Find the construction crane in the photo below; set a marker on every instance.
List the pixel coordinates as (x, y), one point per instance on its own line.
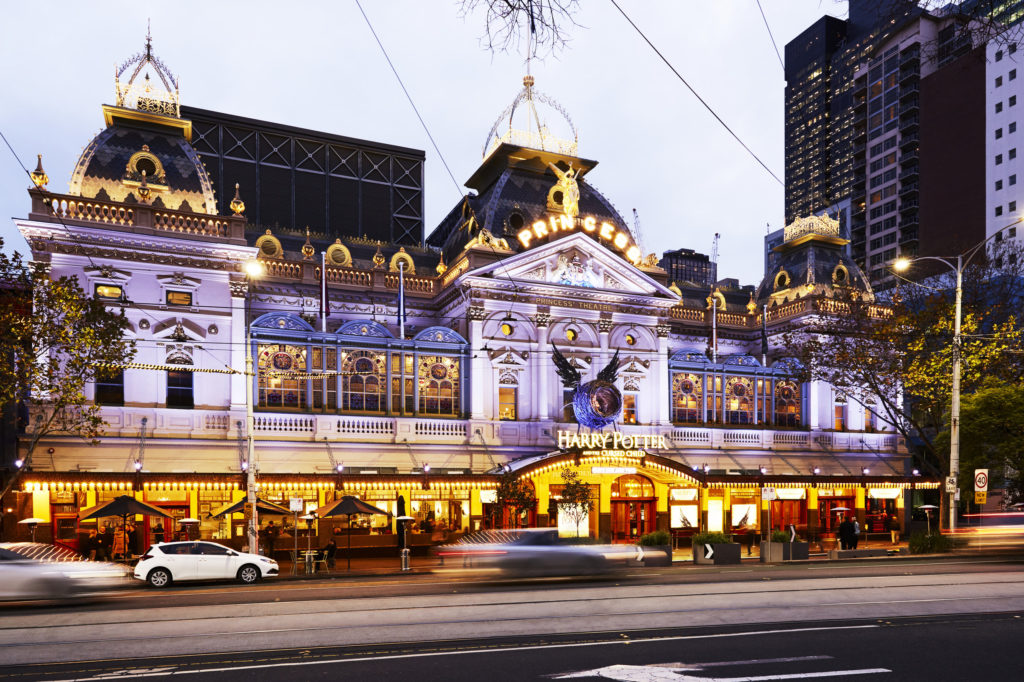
(714, 260)
(638, 235)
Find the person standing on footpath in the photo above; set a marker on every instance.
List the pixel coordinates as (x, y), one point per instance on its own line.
(846, 534)
(893, 524)
(856, 533)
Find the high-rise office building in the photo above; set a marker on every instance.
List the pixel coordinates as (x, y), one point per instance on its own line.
(686, 265)
(918, 152)
(820, 65)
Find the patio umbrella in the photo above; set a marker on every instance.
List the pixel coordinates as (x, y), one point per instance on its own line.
(123, 506)
(32, 522)
(262, 506)
(841, 509)
(347, 506)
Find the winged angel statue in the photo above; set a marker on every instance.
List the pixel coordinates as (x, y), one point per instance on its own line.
(596, 403)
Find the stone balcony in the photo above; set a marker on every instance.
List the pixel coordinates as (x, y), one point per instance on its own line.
(224, 424)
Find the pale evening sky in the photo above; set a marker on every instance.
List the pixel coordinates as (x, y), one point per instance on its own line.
(316, 65)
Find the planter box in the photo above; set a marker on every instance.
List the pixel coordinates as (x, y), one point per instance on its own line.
(796, 551)
(785, 551)
(725, 553)
(657, 555)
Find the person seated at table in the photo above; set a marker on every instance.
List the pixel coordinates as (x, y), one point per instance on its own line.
(328, 552)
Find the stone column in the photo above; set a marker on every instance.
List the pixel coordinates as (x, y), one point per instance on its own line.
(239, 290)
(604, 328)
(479, 363)
(543, 367)
(660, 370)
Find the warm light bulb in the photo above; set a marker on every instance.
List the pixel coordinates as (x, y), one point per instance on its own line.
(901, 264)
(254, 268)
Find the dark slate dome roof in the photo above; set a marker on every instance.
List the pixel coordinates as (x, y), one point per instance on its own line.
(110, 167)
(513, 185)
(812, 262)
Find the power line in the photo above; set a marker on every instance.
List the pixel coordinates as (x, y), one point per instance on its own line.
(701, 99)
(769, 28)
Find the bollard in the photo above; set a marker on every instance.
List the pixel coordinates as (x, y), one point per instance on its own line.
(405, 559)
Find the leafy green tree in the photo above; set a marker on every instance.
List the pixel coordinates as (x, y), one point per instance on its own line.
(896, 358)
(56, 339)
(992, 437)
(516, 495)
(576, 498)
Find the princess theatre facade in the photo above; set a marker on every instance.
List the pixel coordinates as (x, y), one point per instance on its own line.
(704, 411)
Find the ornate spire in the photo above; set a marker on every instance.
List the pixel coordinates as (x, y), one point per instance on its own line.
(307, 249)
(39, 176)
(237, 205)
(441, 267)
(144, 95)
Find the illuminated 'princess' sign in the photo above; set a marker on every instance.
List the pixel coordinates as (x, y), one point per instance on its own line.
(605, 231)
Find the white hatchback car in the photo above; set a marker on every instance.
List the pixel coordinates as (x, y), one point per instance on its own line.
(169, 562)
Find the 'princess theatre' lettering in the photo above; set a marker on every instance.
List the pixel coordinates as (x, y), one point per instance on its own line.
(563, 223)
(609, 441)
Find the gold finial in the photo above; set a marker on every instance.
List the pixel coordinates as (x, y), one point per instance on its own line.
(528, 81)
(237, 205)
(751, 304)
(307, 249)
(378, 259)
(39, 176)
(441, 267)
(144, 190)
(675, 290)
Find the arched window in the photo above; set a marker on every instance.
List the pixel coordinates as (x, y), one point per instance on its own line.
(739, 400)
(439, 386)
(632, 485)
(787, 403)
(363, 381)
(687, 399)
(278, 386)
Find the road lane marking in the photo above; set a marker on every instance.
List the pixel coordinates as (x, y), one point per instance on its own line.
(434, 654)
(656, 673)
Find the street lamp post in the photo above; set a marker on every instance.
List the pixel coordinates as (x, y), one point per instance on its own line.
(253, 270)
(901, 264)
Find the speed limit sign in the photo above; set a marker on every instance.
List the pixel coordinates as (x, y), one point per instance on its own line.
(980, 480)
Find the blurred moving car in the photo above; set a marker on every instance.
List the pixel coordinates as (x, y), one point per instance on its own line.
(536, 551)
(33, 570)
(993, 530)
(168, 562)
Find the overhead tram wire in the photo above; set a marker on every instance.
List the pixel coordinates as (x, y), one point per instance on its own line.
(699, 98)
(77, 241)
(769, 29)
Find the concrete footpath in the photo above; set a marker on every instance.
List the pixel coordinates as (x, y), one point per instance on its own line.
(370, 566)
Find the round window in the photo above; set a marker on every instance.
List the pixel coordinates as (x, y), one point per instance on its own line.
(781, 280)
(557, 197)
(630, 340)
(269, 248)
(507, 329)
(571, 334)
(147, 166)
(516, 220)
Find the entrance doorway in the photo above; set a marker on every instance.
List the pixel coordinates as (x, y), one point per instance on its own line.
(632, 507)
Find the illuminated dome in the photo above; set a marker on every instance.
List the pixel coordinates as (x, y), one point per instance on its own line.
(523, 125)
(145, 153)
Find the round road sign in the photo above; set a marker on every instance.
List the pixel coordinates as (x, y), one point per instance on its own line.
(981, 480)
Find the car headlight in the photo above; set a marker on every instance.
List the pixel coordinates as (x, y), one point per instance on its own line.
(267, 561)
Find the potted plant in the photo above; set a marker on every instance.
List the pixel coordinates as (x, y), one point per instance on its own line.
(715, 548)
(657, 548)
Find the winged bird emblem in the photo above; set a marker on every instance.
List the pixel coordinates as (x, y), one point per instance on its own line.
(595, 403)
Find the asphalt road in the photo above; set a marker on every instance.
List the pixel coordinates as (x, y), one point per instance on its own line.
(922, 619)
